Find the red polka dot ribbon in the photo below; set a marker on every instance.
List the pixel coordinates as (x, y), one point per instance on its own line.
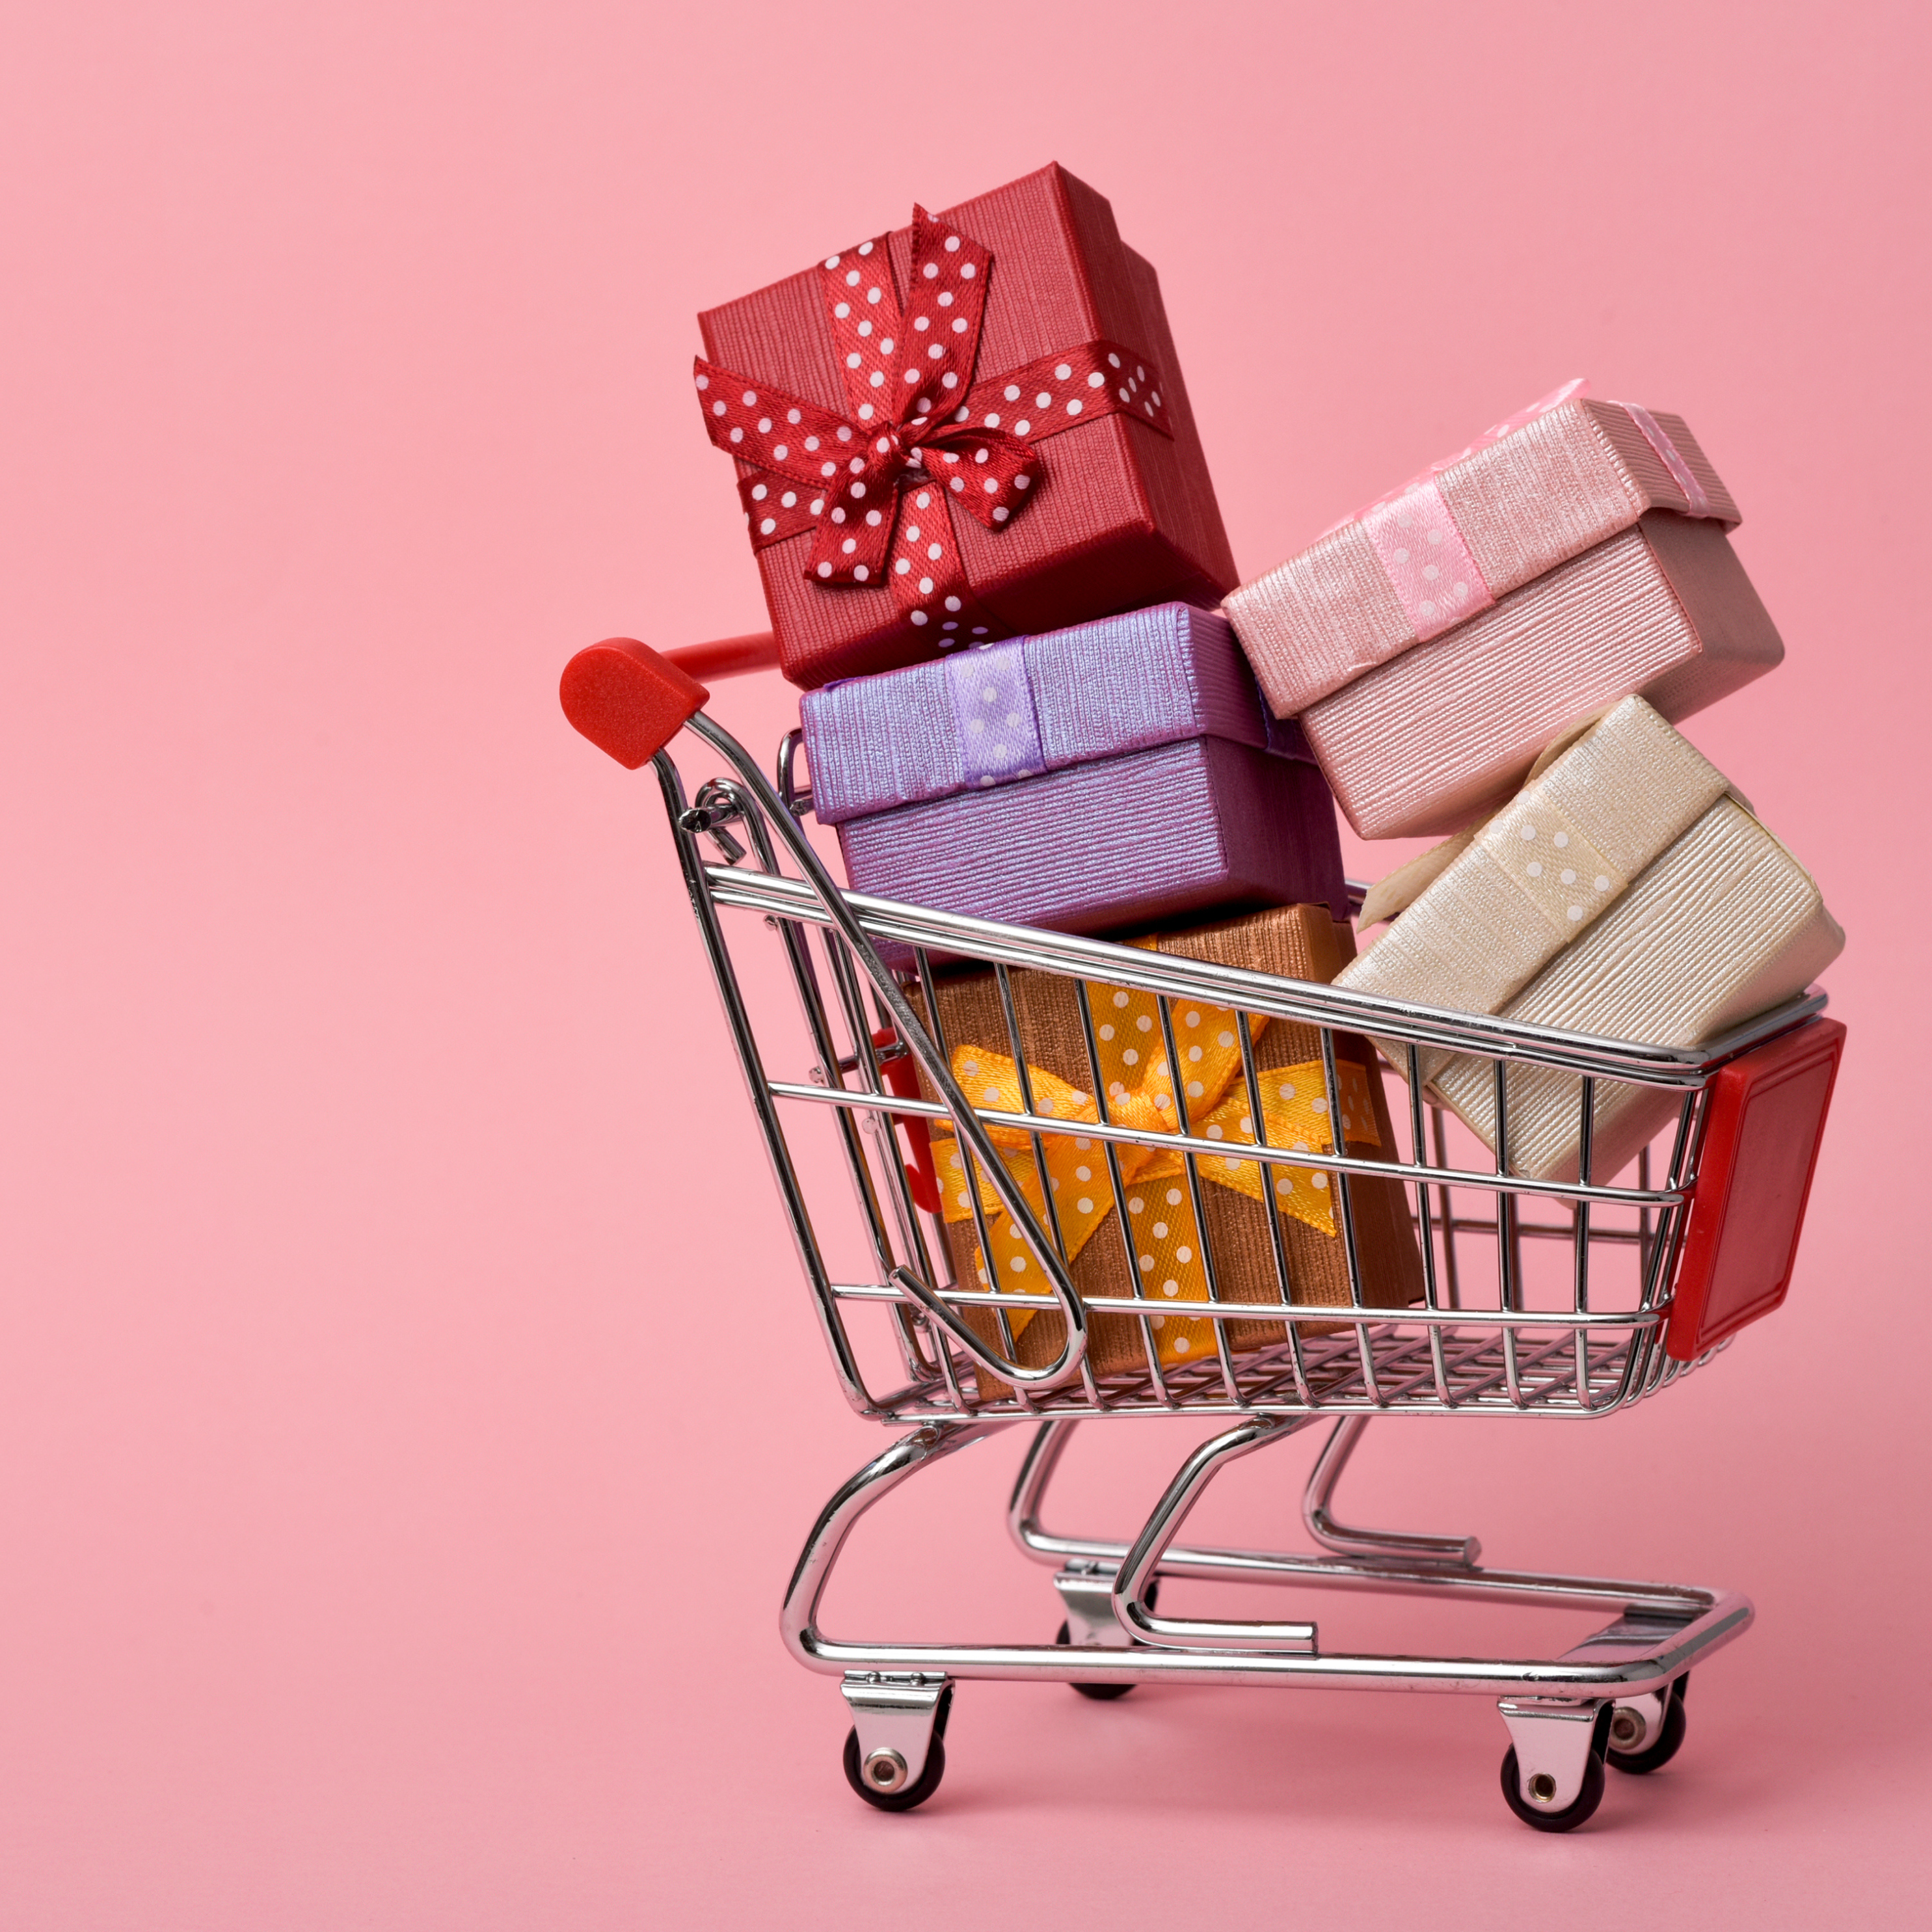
(921, 438)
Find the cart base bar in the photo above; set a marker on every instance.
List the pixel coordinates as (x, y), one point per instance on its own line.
(1660, 1631)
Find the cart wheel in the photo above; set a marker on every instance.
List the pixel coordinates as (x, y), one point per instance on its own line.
(1670, 1738)
(922, 1787)
(1106, 1694)
(1572, 1815)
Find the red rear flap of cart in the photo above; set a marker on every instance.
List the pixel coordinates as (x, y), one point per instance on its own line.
(1766, 1120)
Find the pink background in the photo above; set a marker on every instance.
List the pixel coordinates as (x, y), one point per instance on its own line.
(365, 1563)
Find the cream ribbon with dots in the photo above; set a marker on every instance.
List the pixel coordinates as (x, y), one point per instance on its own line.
(1549, 857)
(1478, 919)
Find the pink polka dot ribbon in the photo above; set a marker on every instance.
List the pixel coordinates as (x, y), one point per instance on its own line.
(1430, 565)
(921, 438)
(1430, 568)
(1671, 457)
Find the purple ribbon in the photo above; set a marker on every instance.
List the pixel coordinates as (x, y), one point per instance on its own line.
(992, 704)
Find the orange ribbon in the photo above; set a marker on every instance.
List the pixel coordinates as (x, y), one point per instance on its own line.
(1297, 1114)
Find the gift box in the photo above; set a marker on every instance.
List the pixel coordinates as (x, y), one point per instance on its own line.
(1108, 776)
(1434, 642)
(1627, 892)
(971, 427)
(1159, 1255)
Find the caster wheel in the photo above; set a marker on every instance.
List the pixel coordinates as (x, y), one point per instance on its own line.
(1670, 1738)
(1106, 1694)
(1103, 1693)
(905, 1797)
(1573, 1814)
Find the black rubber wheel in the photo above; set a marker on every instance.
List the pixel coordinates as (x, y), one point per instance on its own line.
(922, 1787)
(1585, 1804)
(1106, 1694)
(1669, 1738)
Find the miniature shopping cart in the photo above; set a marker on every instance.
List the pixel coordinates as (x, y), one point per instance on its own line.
(1541, 1298)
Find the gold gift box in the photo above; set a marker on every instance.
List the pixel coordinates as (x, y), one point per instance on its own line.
(1296, 942)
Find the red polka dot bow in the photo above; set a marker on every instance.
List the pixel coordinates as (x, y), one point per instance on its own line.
(921, 438)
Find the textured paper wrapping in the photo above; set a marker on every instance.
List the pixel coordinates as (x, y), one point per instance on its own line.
(1535, 878)
(1113, 845)
(1012, 710)
(1296, 942)
(1622, 894)
(1566, 480)
(1120, 516)
(1443, 734)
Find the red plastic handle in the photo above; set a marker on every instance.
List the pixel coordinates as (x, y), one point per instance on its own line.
(631, 701)
(728, 657)
(628, 699)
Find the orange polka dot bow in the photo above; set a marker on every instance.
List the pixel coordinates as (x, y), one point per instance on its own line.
(1297, 1114)
(921, 438)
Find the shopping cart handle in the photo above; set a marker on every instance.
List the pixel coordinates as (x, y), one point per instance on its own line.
(728, 657)
(628, 699)
(631, 701)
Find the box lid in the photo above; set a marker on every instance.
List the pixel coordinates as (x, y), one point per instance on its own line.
(1540, 488)
(1723, 925)
(1012, 710)
(1445, 734)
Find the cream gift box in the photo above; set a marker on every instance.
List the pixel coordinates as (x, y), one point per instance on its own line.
(1626, 891)
(1433, 643)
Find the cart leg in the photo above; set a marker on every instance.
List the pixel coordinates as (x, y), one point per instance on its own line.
(798, 1620)
(1133, 1584)
(895, 1752)
(1553, 1770)
(1043, 1458)
(1331, 1535)
(1086, 1595)
(1085, 1582)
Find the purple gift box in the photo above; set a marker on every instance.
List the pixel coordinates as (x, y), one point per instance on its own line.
(1112, 776)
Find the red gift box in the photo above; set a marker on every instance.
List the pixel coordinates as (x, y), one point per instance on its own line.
(971, 428)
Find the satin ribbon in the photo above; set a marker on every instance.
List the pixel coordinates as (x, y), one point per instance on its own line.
(1429, 564)
(1671, 457)
(921, 438)
(1296, 1113)
(1431, 568)
(993, 709)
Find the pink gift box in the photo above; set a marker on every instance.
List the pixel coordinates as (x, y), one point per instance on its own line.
(1433, 643)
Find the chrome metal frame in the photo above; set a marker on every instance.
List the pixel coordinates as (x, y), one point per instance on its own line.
(1497, 1332)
